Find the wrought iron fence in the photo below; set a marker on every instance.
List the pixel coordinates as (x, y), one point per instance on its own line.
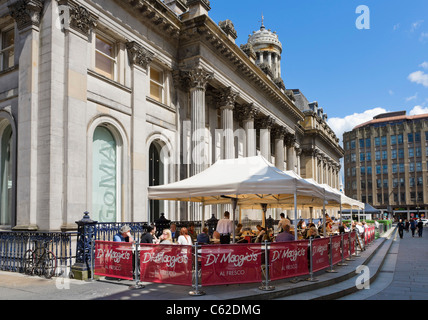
(14, 244)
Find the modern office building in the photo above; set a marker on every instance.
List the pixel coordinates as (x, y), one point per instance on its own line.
(386, 163)
(100, 99)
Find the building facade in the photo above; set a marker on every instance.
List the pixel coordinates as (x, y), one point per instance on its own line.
(101, 99)
(386, 163)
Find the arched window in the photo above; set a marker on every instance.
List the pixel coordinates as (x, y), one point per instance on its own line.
(156, 178)
(6, 164)
(106, 183)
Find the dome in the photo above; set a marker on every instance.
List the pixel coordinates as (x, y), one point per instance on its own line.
(265, 40)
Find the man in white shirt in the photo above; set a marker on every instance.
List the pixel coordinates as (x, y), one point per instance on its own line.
(283, 222)
(225, 228)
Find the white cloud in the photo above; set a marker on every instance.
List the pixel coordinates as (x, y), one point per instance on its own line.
(342, 125)
(391, 93)
(419, 77)
(396, 27)
(424, 65)
(424, 37)
(418, 110)
(412, 97)
(416, 25)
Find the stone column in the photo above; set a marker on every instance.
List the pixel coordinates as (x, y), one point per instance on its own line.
(290, 141)
(246, 114)
(139, 59)
(227, 104)
(78, 23)
(279, 134)
(198, 81)
(265, 125)
(27, 15)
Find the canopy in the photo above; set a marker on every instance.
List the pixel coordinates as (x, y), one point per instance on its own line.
(345, 201)
(367, 209)
(251, 180)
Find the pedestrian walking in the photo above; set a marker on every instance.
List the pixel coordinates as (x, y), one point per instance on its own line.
(400, 228)
(413, 227)
(407, 225)
(420, 227)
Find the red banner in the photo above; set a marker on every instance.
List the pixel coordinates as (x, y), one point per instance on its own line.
(170, 264)
(346, 245)
(288, 259)
(320, 258)
(353, 238)
(228, 264)
(114, 259)
(336, 243)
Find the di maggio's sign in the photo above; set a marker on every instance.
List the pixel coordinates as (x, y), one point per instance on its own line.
(227, 264)
(114, 259)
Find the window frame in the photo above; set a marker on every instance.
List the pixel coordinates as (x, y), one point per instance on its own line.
(160, 85)
(3, 31)
(114, 58)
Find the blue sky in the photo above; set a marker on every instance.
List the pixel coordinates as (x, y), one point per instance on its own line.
(353, 74)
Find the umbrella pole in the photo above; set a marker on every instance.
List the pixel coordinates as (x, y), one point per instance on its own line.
(295, 216)
(234, 203)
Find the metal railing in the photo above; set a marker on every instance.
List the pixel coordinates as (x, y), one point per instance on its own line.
(14, 244)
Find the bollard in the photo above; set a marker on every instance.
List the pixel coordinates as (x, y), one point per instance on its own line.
(196, 292)
(266, 286)
(138, 284)
(331, 258)
(342, 263)
(349, 248)
(311, 272)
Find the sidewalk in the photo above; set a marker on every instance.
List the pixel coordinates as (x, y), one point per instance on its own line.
(15, 286)
(409, 270)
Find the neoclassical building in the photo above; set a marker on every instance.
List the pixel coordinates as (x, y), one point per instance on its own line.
(100, 99)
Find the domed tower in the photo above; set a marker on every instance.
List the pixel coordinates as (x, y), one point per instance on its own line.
(268, 50)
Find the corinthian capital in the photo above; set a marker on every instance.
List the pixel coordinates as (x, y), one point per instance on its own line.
(247, 112)
(228, 98)
(199, 78)
(139, 55)
(76, 17)
(26, 13)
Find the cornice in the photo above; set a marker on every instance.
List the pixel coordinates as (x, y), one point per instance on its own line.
(157, 14)
(202, 28)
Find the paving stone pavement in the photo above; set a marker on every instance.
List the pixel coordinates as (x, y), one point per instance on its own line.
(404, 275)
(410, 275)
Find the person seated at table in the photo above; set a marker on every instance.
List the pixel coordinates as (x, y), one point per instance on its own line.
(262, 234)
(124, 235)
(306, 230)
(203, 238)
(184, 238)
(238, 230)
(149, 236)
(343, 228)
(313, 233)
(301, 224)
(174, 232)
(285, 235)
(192, 231)
(166, 237)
